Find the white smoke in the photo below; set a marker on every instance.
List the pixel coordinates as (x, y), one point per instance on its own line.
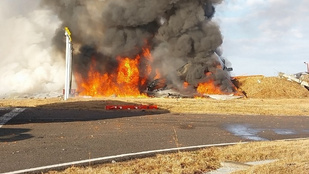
(27, 63)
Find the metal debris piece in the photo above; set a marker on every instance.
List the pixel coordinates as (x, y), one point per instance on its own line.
(298, 78)
(224, 97)
(172, 93)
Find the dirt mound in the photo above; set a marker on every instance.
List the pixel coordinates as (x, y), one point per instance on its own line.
(270, 87)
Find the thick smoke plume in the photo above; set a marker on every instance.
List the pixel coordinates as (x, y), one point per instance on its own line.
(182, 38)
(27, 65)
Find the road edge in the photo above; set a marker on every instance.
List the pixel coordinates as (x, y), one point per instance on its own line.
(128, 156)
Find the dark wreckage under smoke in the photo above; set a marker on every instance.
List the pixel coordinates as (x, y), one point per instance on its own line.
(183, 40)
(161, 88)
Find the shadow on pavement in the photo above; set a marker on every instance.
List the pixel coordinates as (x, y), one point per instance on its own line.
(79, 111)
(14, 134)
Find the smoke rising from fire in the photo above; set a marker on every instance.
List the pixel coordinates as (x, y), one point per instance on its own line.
(182, 38)
(27, 63)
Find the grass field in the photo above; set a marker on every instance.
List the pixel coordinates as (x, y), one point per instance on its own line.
(252, 106)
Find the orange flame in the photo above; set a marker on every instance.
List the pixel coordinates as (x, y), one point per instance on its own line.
(209, 88)
(126, 82)
(185, 85)
(129, 79)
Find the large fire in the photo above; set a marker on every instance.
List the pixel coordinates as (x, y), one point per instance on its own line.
(210, 86)
(126, 82)
(130, 79)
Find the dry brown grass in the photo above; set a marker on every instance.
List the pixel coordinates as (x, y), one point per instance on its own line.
(290, 107)
(293, 157)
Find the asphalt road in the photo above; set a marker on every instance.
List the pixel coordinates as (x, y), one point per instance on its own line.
(40, 137)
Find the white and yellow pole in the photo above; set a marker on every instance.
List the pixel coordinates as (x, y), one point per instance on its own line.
(68, 66)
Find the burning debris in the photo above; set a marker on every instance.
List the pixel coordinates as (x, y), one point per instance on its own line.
(144, 47)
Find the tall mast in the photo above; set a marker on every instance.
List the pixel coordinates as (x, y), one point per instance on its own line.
(68, 66)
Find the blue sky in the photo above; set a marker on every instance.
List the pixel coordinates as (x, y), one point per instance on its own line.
(265, 36)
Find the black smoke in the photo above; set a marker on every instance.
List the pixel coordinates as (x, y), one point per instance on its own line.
(182, 38)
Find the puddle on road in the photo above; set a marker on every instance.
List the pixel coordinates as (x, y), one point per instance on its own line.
(247, 132)
(284, 131)
(306, 130)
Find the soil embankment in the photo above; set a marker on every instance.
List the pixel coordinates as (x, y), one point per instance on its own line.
(270, 87)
